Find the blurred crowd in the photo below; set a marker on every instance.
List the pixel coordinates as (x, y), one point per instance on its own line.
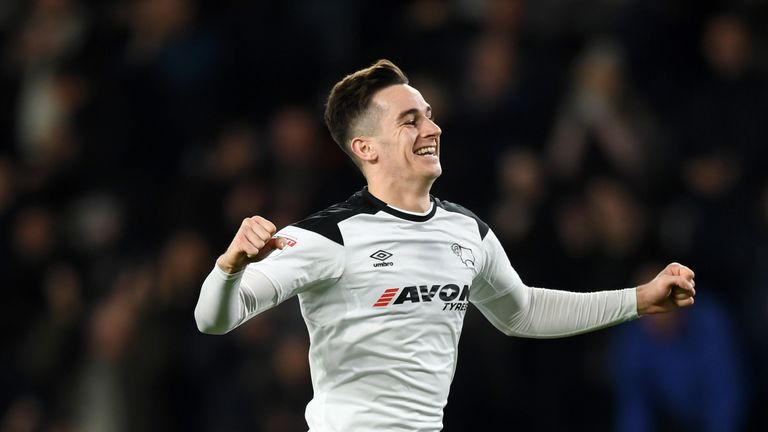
(600, 139)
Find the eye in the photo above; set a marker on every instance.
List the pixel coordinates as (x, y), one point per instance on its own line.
(411, 122)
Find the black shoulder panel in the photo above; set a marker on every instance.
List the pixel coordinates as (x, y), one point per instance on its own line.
(456, 208)
(326, 222)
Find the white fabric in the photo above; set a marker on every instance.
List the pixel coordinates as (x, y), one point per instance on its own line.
(228, 300)
(543, 313)
(389, 367)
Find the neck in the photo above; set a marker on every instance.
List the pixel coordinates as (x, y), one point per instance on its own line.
(405, 197)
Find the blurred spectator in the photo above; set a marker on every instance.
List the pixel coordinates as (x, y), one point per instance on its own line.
(23, 415)
(599, 232)
(295, 142)
(505, 17)
(519, 215)
(100, 393)
(521, 191)
(492, 74)
(727, 46)
(34, 237)
(680, 371)
(617, 218)
(705, 223)
(491, 109)
(602, 126)
(156, 24)
(95, 224)
(51, 348)
(433, 23)
(7, 185)
(237, 152)
(244, 199)
(726, 110)
(52, 32)
(32, 241)
(155, 370)
(575, 228)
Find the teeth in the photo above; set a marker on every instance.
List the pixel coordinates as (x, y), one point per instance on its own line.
(426, 150)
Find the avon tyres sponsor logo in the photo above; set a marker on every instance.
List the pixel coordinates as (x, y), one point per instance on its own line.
(454, 297)
(387, 297)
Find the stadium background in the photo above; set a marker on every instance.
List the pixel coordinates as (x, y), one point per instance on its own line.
(599, 139)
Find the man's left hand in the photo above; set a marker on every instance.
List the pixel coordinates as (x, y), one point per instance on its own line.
(673, 288)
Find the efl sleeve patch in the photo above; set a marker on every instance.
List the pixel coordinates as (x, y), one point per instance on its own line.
(307, 259)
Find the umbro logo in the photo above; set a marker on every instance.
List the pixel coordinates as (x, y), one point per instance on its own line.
(382, 256)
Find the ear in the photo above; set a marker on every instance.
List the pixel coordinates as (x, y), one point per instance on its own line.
(364, 148)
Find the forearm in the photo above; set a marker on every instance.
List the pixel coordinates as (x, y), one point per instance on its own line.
(228, 300)
(543, 313)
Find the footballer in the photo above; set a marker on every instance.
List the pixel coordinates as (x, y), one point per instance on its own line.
(384, 278)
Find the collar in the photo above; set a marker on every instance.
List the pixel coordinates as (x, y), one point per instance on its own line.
(381, 205)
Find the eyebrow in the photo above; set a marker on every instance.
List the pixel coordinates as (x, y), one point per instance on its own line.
(412, 111)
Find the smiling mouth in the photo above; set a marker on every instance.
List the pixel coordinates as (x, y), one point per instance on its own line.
(426, 151)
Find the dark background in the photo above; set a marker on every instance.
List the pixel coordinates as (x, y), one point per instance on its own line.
(600, 139)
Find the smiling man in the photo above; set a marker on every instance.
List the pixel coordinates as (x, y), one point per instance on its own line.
(384, 278)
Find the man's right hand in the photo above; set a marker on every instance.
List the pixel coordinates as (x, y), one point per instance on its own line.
(253, 242)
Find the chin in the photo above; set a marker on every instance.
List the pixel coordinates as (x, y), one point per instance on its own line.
(435, 173)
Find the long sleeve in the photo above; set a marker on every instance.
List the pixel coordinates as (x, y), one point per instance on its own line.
(519, 310)
(308, 261)
(228, 300)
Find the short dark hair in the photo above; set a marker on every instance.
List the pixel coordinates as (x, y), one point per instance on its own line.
(350, 99)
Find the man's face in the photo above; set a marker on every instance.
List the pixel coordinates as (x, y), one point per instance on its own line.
(408, 143)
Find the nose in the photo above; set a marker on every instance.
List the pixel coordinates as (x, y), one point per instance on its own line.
(430, 129)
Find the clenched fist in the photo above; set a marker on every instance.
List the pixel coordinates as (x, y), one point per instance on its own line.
(673, 288)
(253, 242)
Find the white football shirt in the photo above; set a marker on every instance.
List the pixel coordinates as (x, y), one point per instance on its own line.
(384, 292)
